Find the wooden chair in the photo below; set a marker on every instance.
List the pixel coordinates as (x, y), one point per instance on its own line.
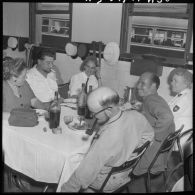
(189, 131)
(128, 165)
(16, 178)
(186, 158)
(63, 90)
(166, 146)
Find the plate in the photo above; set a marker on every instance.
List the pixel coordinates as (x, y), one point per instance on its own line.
(70, 100)
(75, 124)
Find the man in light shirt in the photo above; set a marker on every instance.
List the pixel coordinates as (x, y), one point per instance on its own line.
(42, 80)
(181, 104)
(119, 134)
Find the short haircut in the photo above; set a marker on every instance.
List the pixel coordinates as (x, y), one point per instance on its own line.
(181, 72)
(45, 52)
(110, 100)
(89, 58)
(13, 67)
(155, 79)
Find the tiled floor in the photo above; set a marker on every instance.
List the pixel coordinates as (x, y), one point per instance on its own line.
(38, 187)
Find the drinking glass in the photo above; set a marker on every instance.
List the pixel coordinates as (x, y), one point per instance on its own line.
(68, 119)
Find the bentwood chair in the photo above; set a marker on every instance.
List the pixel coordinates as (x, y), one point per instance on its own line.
(63, 90)
(127, 166)
(186, 159)
(185, 133)
(188, 162)
(16, 178)
(166, 147)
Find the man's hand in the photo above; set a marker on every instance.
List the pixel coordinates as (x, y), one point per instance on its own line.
(40, 105)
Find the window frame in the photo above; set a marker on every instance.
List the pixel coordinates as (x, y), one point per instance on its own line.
(128, 10)
(34, 11)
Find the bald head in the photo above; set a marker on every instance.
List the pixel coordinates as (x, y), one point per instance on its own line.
(102, 97)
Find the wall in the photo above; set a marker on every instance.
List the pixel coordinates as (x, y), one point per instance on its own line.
(96, 22)
(16, 19)
(116, 77)
(89, 26)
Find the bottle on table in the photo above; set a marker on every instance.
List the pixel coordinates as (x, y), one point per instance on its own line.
(82, 101)
(54, 112)
(88, 114)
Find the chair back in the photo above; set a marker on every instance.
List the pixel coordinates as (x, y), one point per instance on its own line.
(63, 90)
(132, 162)
(167, 145)
(188, 162)
(170, 140)
(190, 132)
(128, 164)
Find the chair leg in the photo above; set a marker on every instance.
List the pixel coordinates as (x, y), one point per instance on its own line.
(45, 188)
(148, 183)
(165, 176)
(9, 178)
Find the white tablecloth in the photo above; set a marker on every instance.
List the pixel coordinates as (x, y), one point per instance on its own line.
(44, 156)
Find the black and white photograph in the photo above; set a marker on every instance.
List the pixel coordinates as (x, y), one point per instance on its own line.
(97, 97)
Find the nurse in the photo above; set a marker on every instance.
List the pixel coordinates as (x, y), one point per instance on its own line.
(181, 104)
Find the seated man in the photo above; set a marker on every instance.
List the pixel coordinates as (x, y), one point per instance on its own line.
(159, 115)
(181, 105)
(119, 134)
(42, 80)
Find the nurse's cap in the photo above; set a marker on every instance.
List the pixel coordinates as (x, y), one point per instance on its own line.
(111, 53)
(12, 42)
(71, 49)
(99, 96)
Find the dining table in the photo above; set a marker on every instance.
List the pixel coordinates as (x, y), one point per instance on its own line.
(42, 155)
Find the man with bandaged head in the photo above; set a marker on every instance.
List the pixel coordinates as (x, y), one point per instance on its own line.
(119, 134)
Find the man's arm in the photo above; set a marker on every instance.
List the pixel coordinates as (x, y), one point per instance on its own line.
(94, 161)
(98, 76)
(163, 116)
(35, 103)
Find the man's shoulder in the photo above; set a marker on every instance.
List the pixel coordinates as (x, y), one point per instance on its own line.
(133, 115)
(156, 98)
(32, 71)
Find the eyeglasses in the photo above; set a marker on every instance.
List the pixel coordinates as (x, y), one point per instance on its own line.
(94, 114)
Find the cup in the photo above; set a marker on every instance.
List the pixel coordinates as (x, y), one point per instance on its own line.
(57, 130)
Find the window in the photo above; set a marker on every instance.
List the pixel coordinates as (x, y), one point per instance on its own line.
(163, 30)
(51, 24)
(164, 38)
